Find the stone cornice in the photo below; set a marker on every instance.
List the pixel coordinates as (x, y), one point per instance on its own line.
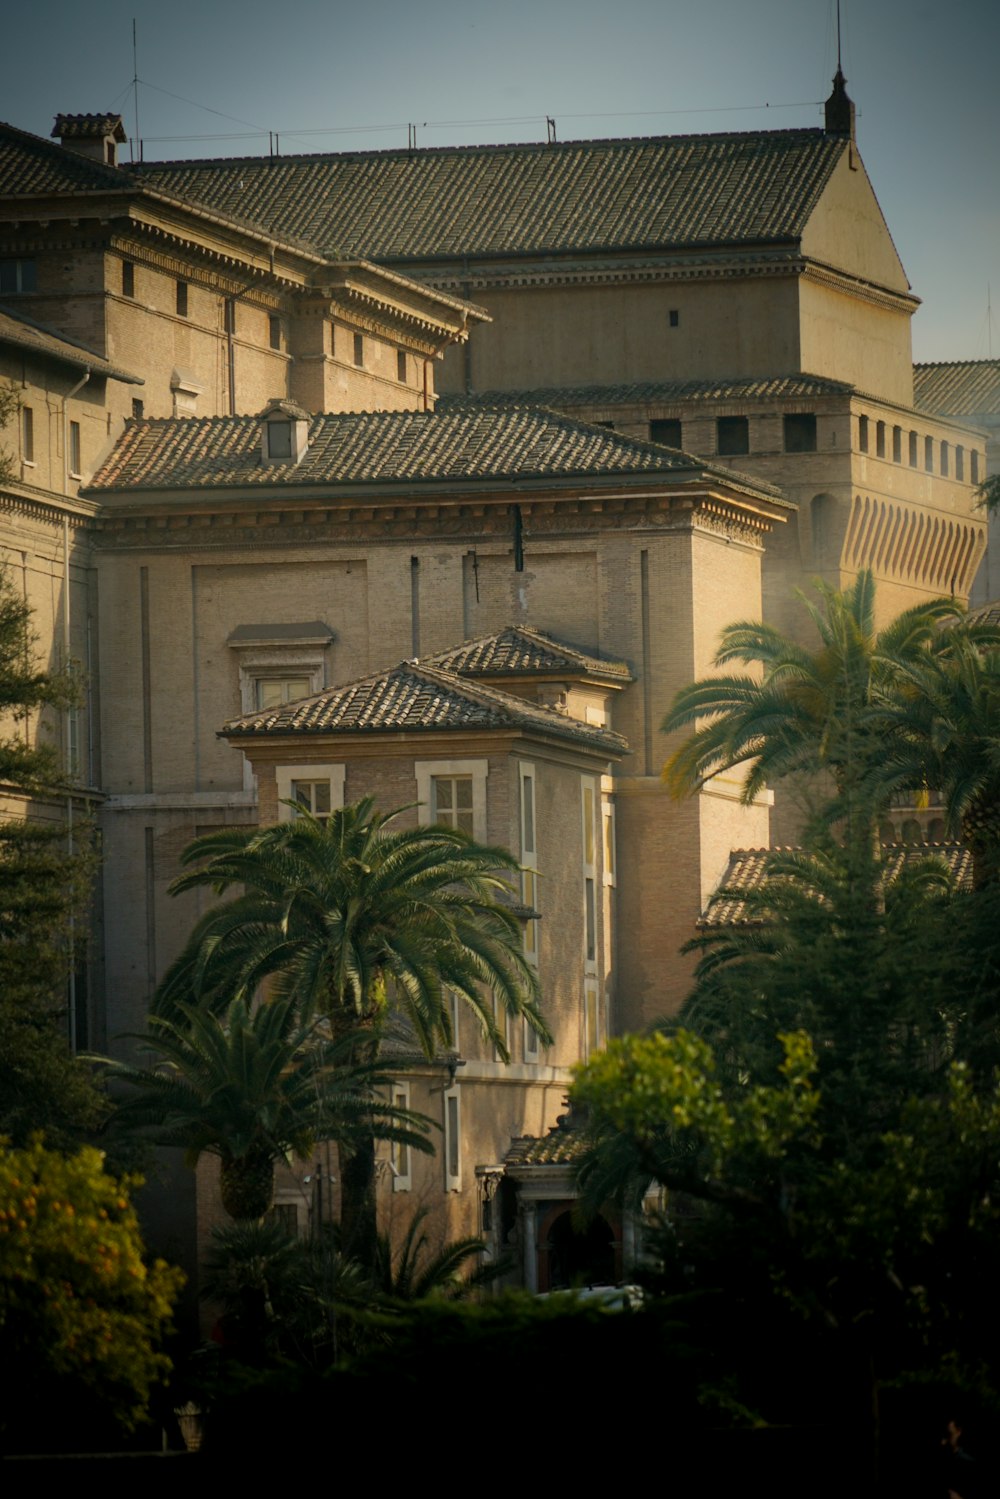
(45, 505)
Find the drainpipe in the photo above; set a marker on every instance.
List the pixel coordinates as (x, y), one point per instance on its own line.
(70, 845)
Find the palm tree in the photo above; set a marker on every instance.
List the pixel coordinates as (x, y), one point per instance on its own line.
(805, 711)
(254, 1087)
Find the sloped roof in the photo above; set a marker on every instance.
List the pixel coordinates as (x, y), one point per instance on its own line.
(521, 651)
(413, 697)
(654, 392)
(747, 871)
(966, 387)
(574, 196)
(465, 442)
(30, 165)
(20, 332)
(89, 127)
(564, 1145)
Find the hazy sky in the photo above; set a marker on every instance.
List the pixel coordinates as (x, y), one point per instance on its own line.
(216, 76)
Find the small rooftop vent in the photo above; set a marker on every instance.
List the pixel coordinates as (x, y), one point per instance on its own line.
(96, 136)
(284, 434)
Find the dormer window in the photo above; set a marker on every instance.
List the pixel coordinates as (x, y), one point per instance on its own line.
(284, 432)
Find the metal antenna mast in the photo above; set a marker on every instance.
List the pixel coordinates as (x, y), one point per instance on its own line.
(135, 92)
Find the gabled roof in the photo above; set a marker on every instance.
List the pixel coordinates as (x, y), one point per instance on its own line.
(465, 442)
(967, 387)
(576, 196)
(414, 698)
(520, 651)
(654, 392)
(20, 332)
(749, 869)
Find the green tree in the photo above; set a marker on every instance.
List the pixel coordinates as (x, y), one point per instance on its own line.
(43, 893)
(81, 1313)
(254, 1087)
(806, 712)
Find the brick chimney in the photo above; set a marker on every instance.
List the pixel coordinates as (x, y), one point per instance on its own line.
(96, 136)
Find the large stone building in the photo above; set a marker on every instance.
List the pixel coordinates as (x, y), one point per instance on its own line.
(241, 505)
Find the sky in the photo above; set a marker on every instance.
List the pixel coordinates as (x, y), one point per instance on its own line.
(216, 77)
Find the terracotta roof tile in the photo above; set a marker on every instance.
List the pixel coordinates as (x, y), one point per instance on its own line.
(413, 697)
(89, 127)
(575, 196)
(968, 387)
(22, 332)
(748, 871)
(30, 165)
(520, 651)
(379, 447)
(659, 392)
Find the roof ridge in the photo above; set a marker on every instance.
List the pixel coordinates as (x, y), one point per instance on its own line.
(118, 174)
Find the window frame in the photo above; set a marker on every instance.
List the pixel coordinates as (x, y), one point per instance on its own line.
(451, 1155)
(286, 775)
(401, 1155)
(74, 450)
(805, 423)
(727, 428)
(28, 435)
(427, 771)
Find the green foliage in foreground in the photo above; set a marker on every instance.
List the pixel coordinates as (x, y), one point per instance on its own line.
(81, 1313)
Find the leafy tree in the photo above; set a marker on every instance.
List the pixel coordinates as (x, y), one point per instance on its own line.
(81, 1313)
(411, 1272)
(43, 890)
(254, 1087)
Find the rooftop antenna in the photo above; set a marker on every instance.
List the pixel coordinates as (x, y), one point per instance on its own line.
(135, 90)
(550, 126)
(839, 68)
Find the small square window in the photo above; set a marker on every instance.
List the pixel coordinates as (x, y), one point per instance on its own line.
(401, 366)
(74, 449)
(733, 436)
(137, 409)
(359, 350)
(675, 317)
(274, 332)
(800, 432)
(27, 434)
(279, 439)
(666, 430)
(128, 279)
(182, 299)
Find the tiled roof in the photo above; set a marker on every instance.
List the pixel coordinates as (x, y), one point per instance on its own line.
(968, 387)
(575, 196)
(379, 447)
(564, 1145)
(659, 392)
(22, 332)
(414, 697)
(748, 870)
(521, 651)
(31, 165)
(89, 127)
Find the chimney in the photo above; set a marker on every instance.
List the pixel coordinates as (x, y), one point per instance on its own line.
(95, 136)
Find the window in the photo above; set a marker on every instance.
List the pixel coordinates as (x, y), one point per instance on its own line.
(17, 276)
(279, 439)
(401, 366)
(944, 459)
(675, 317)
(400, 1156)
(274, 692)
(451, 802)
(359, 350)
(137, 409)
(27, 434)
(529, 863)
(274, 332)
(443, 794)
(913, 450)
(74, 449)
(959, 462)
(128, 279)
(452, 1141)
(592, 1028)
(862, 434)
(666, 430)
(733, 436)
(589, 851)
(897, 444)
(928, 455)
(879, 440)
(800, 432)
(974, 465)
(608, 810)
(182, 299)
(319, 787)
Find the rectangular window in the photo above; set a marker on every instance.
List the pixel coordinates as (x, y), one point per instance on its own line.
(862, 434)
(27, 434)
(359, 351)
(589, 853)
(400, 1154)
(401, 366)
(128, 279)
(800, 432)
(880, 439)
(452, 1141)
(182, 299)
(959, 462)
(529, 860)
(975, 466)
(274, 692)
(944, 459)
(592, 1028)
(274, 332)
(897, 444)
(913, 450)
(733, 436)
(451, 802)
(928, 455)
(17, 276)
(314, 796)
(675, 317)
(666, 430)
(74, 449)
(137, 410)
